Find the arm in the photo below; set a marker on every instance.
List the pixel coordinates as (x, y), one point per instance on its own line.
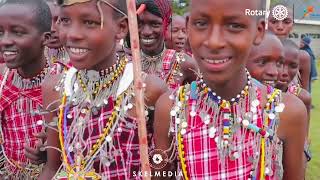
(53, 156)
(292, 130)
(161, 127)
(306, 99)
(304, 69)
(155, 87)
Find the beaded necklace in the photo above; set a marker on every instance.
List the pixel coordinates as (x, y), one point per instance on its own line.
(225, 120)
(29, 83)
(152, 64)
(80, 165)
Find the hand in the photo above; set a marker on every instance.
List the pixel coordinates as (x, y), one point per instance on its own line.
(35, 155)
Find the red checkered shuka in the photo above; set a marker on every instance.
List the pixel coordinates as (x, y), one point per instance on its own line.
(19, 119)
(126, 164)
(167, 65)
(202, 156)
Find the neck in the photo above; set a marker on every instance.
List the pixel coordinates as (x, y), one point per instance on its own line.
(231, 88)
(108, 62)
(33, 68)
(156, 52)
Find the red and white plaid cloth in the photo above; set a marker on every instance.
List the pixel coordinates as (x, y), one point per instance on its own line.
(167, 64)
(126, 145)
(202, 154)
(19, 120)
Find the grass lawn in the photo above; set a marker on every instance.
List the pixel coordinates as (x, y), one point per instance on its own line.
(313, 172)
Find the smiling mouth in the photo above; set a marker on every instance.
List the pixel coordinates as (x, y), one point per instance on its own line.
(147, 41)
(9, 55)
(78, 51)
(217, 61)
(269, 82)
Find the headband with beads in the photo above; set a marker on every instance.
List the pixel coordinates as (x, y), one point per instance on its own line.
(71, 2)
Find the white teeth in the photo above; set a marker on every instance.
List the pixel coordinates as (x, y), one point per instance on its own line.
(217, 61)
(269, 82)
(9, 53)
(147, 41)
(78, 50)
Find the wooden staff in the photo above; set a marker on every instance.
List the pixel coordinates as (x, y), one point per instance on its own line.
(139, 87)
(267, 14)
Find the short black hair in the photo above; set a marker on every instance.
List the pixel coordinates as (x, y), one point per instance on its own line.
(42, 12)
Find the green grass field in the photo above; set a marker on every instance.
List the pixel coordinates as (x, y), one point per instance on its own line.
(313, 172)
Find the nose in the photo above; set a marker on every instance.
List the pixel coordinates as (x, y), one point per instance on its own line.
(280, 25)
(6, 40)
(146, 30)
(74, 32)
(284, 73)
(272, 71)
(215, 40)
(181, 35)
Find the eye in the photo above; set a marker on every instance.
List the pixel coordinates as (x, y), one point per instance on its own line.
(200, 24)
(236, 27)
(279, 64)
(64, 21)
(261, 62)
(91, 23)
(156, 25)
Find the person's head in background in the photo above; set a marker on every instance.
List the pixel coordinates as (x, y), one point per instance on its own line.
(90, 31)
(53, 40)
(281, 28)
(266, 60)
(24, 26)
(176, 34)
(221, 39)
(305, 41)
(290, 65)
(153, 22)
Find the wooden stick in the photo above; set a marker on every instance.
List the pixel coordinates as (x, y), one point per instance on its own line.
(139, 88)
(267, 15)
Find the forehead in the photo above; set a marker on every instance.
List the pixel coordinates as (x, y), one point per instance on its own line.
(147, 16)
(17, 14)
(54, 8)
(223, 8)
(270, 46)
(86, 9)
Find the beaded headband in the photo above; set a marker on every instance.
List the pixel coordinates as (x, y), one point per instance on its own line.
(71, 2)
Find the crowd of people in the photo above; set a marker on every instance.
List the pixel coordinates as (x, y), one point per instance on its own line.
(225, 98)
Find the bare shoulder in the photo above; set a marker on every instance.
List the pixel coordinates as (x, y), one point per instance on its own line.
(305, 97)
(294, 115)
(155, 87)
(304, 56)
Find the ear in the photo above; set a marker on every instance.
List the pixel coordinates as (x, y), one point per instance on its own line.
(45, 38)
(260, 31)
(187, 22)
(122, 28)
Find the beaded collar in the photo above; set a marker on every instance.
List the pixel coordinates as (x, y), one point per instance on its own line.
(29, 83)
(225, 120)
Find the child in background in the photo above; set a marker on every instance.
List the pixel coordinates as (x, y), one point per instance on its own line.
(266, 59)
(176, 34)
(282, 29)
